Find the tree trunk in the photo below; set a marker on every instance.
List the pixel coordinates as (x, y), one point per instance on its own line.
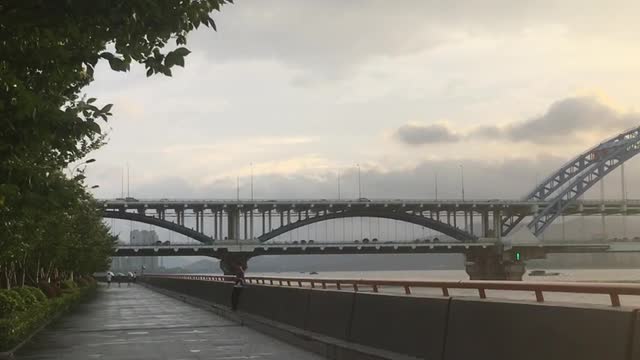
(38, 271)
(24, 270)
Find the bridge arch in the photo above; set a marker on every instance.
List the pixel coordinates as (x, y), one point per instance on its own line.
(574, 178)
(123, 215)
(436, 225)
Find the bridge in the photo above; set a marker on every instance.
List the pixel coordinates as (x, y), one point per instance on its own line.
(530, 251)
(262, 221)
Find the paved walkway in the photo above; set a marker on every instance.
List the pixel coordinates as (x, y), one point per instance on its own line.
(137, 323)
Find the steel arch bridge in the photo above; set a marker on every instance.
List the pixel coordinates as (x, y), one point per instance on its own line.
(211, 220)
(563, 187)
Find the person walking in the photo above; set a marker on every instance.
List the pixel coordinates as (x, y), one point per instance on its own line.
(237, 290)
(109, 278)
(129, 278)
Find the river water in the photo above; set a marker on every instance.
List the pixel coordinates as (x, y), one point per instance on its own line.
(578, 275)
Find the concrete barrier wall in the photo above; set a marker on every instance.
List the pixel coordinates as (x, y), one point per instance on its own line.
(523, 331)
(329, 313)
(407, 325)
(437, 327)
(635, 336)
(286, 305)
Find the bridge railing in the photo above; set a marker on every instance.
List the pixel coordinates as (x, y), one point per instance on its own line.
(613, 290)
(224, 278)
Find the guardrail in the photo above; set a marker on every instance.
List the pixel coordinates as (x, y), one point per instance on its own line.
(613, 290)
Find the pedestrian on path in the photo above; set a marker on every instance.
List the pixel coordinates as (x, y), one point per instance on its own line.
(237, 290)
(109, 277)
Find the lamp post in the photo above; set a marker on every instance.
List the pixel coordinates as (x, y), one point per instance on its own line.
(624, 202)
(238, 188)
(462, 180)
(359, 183)
(338, 184)
(251, 165)
(435, 175)
(89, 161)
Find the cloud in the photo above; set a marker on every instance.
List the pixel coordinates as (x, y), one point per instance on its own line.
(508, 179)
(414, 134)
(258, 142)
(566, 120)
(329, 38)
(570, 118)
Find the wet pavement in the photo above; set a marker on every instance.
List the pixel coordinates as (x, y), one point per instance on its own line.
(138, 323)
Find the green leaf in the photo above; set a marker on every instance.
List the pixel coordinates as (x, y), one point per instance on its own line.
(118, 64)
(149, 72)
(170, 59)
(182, 51)
(95, 127)
(91, 100)
(106, 108)
(107, 55)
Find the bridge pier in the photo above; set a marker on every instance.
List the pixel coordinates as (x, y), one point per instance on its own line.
(233, 224)
(234, 264)
(491, 265)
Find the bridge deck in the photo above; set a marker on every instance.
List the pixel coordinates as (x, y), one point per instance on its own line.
(137, 323)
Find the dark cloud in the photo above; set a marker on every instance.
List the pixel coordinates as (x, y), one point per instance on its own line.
(565, 120)
(569, 118)
(425, 134)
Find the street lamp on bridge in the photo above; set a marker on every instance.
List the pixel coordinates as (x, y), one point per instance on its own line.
(359, 183)
(462, 180)
(73, 170)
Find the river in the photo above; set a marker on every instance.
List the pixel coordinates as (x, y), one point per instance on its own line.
(578, 275)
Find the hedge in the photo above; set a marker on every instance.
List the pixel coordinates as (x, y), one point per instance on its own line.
(17, 325)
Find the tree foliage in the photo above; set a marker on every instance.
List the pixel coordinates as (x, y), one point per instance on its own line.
(49, 50)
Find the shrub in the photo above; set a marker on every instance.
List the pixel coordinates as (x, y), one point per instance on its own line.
(27, 296)
(15, 326)
(37, 293)
(18, 326)
(81, 282)
(90, 280)
(50, 290)
(21, 306)
(9, 303)
(68, 284)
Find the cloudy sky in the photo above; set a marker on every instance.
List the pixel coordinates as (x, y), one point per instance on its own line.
(304, 90)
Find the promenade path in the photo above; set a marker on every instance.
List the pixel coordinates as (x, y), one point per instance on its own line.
(138, 323)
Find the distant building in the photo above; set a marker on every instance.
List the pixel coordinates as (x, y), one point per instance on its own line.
(143, 237)
(135, 263)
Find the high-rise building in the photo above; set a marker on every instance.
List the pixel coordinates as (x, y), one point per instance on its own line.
(126, 264)
(143, 237)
